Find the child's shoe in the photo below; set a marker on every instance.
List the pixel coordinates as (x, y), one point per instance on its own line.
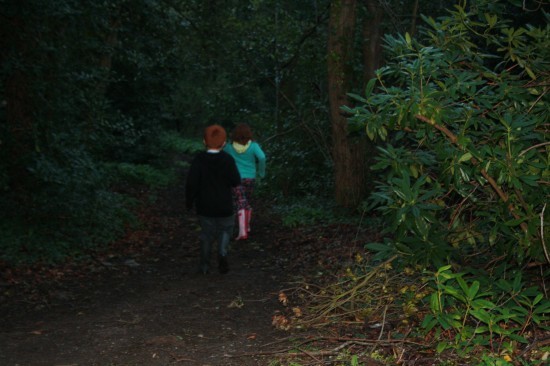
(223, 266)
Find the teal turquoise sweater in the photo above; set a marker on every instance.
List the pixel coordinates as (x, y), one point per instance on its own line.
(250, 159)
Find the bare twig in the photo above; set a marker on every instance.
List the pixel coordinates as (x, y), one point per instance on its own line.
(534, 147)
(339, 300)
(538, 99)
(346, 342)
(313, 354)
(542, 234)
(383, 322)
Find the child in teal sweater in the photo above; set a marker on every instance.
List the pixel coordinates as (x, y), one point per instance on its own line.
(250, 160)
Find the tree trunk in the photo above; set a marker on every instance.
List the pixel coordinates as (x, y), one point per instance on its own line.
(372, 33)
(348, 155)
(18, 107)
(106, 59)
(414, 17)
(372, 60)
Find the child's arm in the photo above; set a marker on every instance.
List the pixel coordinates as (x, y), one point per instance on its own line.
(260, 156)
(234, 175)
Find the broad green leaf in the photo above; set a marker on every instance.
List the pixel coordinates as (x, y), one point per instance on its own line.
(465, 157)
(482, 315)
(408, 38)
(514, 222)
(441, 346)
(491, 19)
(434, 303)
(544, 308)
(482, 303)
(444, 268)
(472, 292)
(377, 247)
(481, 329)
(369, 88)
(429, 322)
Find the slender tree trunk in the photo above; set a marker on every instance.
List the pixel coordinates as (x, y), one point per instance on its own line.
(18, 106)
(348, 155)
(372, 33)
(372, 60)
(106, 59)
(414, 17)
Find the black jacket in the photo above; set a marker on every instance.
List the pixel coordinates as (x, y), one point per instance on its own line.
(209, 182)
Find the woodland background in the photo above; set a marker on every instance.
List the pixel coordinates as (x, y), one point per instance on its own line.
(426, 122)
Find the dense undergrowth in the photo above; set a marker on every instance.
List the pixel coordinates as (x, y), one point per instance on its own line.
(474, 312)
(93, 215)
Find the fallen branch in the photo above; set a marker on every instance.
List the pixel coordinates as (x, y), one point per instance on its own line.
(290, 351)
(542, 234)
(339, 300)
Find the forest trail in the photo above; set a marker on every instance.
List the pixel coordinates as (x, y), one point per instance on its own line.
(143, 304)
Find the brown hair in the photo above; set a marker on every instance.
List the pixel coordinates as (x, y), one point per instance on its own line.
(214, 137)
(242, 134)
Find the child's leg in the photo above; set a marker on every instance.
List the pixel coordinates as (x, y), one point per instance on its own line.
(207, 236)
(248, 188)
(241, 204)
(225, 229)
(248, 191)
(224, 235)
(239, 197)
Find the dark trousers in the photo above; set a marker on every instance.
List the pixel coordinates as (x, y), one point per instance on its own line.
(213, 229)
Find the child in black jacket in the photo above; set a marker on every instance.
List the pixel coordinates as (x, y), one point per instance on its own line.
(212, 175)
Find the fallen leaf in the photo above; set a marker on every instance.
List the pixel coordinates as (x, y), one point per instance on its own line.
(283, 299)
(280, 322)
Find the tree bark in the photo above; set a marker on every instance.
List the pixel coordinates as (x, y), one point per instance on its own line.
(414, 18)
(372, 33)
(18, 106)
(106, 59)
(348, 154)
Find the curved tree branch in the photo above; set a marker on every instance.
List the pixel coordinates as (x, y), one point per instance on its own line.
(494, 185)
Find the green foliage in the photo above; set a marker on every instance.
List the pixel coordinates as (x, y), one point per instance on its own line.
(83, 105)
(488, 313)
(297, 168)
(173, 142)
(66, 229)
(462, 111)
(143, 174)
(306, 211)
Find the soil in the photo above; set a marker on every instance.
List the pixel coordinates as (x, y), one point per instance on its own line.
(142, 302)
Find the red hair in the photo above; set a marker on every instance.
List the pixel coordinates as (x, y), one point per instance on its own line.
(214, 136)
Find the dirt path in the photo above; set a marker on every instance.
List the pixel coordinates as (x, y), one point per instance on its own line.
(147, 307)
